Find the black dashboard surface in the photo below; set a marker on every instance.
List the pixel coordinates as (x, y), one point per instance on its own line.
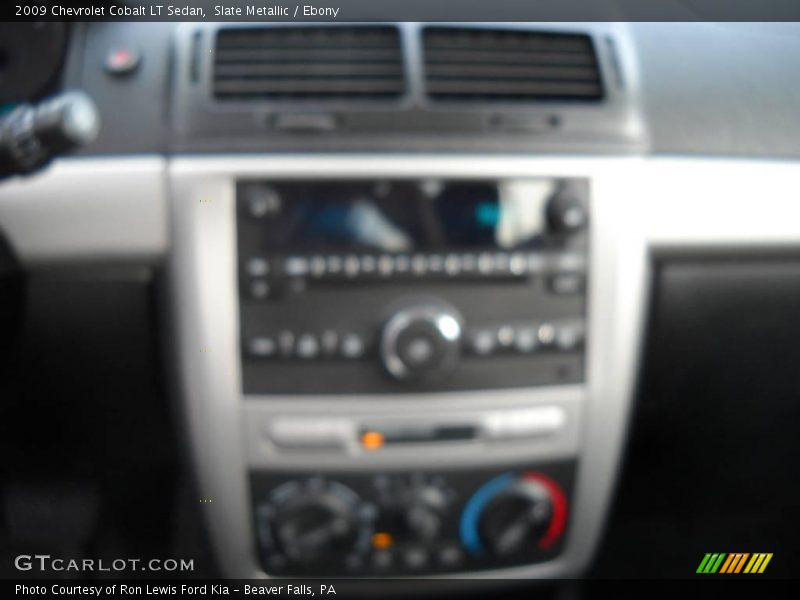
(712, 452)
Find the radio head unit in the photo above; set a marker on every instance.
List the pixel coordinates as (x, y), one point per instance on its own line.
(384, 286)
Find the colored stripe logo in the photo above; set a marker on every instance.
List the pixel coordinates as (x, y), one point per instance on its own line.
(735, 562)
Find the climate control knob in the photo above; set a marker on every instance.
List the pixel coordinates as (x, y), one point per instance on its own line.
(421, 341)
(513, 515)
(314, 521)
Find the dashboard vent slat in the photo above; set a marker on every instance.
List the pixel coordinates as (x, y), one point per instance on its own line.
(311, 63)
(509, 65)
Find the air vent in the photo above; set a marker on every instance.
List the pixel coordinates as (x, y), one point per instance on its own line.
(308, 63)
(507, 65)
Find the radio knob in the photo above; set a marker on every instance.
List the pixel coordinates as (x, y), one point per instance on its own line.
(565, 213)
(421, 342)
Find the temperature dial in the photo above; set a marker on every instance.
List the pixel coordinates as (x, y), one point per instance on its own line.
(514, 514)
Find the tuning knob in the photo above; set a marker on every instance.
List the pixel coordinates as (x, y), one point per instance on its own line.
(511, 515)
(421, 341)
(314, 521)
(566, 213)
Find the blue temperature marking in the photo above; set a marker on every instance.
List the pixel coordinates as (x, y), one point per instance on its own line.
(472, 512)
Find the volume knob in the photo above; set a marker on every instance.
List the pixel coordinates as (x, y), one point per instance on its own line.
(421, 342)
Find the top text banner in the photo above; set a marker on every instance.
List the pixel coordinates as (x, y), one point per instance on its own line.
(402, 10)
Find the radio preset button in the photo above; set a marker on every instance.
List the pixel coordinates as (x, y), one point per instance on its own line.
(483, 341)
(526, 339)
(435, 263)
(502, 263)
(419, 264)
(536, 262)
(307, 346)
(569, 336)
(452, 264)
(259, 289)
(469, 263)
(261, 347)
(385, 265)
(296, 285)
(567, 284)
(402, 263)
(329, 341)
(568, 263)
(334, 264)
(286, 343)
(257, 267)
(352, 266)
(486, 264)
(505, 336)
(517, 264)
(546, 333)
(296, 266)
(317, 266)
(352, 346)
(368, 264)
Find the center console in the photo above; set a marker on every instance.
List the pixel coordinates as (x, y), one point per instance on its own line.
(402, 286)
(397, 367)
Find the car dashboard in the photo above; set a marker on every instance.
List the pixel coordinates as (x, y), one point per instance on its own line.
(460, 300)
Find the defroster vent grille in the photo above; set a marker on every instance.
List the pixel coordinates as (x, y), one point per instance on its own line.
(509, 65)
(311, 63)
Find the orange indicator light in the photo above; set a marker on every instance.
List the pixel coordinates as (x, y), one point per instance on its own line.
(382, 541)
(372, 440)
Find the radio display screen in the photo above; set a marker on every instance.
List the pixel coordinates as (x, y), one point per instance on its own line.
(403, 216)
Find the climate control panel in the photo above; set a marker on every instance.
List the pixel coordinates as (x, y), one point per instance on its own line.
(411, 523)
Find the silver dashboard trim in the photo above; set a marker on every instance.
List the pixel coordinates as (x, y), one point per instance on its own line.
(490, 411)
(204, 291)
(93, 210)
